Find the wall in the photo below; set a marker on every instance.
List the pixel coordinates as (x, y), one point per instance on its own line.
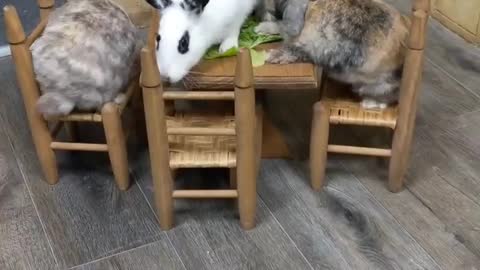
(460, 16)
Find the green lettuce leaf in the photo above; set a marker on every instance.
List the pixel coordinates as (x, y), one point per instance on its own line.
(247, 39)
(258, 57)
(213, 53)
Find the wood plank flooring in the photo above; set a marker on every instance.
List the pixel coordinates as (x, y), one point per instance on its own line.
(24, 244)
(84, 222)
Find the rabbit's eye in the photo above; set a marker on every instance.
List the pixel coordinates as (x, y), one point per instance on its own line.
(158, 41)
(184, 43)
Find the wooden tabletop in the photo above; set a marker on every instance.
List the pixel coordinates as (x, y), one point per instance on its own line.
(219, 74)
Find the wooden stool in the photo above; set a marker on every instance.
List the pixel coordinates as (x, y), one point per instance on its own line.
(43, 135)
(203, 141)
(332, 109)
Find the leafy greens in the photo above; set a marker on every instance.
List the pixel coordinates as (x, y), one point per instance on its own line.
(248, 38)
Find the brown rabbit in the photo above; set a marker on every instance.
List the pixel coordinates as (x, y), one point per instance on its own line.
(355, 41)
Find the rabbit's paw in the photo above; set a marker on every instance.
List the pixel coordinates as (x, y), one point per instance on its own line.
(228, 43)
(267, 28)
(268, 17)
(372, 104)
(120, 99)
(280, 56)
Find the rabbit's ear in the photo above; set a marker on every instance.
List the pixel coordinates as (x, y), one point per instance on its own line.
(293, 18)
(196, 6)
(159, 4)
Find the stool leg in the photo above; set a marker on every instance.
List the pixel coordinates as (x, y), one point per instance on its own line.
(246, 156)
(42, 140)
(159, 155)
(233, 178)
(71, 130)
(319, 145)
(117, 148)
(140, 125)
(259, 138)
(247, 196)
(401, 145)
(323, 85)
(22, 60)
(163, 194)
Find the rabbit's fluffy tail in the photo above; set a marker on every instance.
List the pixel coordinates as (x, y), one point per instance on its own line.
(54, 104)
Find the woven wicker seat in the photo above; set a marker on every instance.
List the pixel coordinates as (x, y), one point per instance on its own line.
(345, 108)
(197, 151)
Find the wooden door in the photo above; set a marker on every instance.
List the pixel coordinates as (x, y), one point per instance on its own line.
(461, 16)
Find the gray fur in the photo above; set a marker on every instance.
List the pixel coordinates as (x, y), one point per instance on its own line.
(289, 14)
(293, 17)
(339, 36)
(84, 57)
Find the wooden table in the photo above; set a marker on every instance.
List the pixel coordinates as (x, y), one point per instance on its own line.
(219, 74)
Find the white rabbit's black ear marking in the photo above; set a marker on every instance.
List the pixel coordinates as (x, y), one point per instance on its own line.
(196, 6)
(159, 4)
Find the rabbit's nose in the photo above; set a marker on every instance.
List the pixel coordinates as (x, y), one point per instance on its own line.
(164, 78)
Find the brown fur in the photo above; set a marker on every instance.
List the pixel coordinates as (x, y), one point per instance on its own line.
(355, 41)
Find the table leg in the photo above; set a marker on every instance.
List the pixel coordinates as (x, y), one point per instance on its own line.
(274, 144)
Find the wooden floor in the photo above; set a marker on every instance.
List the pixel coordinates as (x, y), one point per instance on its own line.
(85, 222)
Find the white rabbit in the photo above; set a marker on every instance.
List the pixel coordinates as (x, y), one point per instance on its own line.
(188, 28)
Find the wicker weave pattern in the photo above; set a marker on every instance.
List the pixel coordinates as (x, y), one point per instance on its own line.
(346, 109)
(351, 113)
(192, 151)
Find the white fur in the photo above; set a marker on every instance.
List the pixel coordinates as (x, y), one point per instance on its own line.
(219, 23)
(368, 103)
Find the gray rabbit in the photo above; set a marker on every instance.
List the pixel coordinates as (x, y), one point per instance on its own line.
(84, 57)
(360, 42)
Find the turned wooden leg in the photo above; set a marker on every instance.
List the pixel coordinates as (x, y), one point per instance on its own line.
(71, 130)
(247, 195)
(402, 140)
(319, 145)
(323, 84)
(245, 131)
(259, 138)
(233, 178)
(409, 90)
(117, 148)
(159, 157)
(42, 140)
(22, 60)
(233, 183)
(139, 120)
(274, 145)
(157, 138)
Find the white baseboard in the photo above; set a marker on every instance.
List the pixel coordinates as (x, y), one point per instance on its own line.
(4, 51)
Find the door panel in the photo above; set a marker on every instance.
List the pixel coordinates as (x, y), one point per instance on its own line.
(465, 13)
